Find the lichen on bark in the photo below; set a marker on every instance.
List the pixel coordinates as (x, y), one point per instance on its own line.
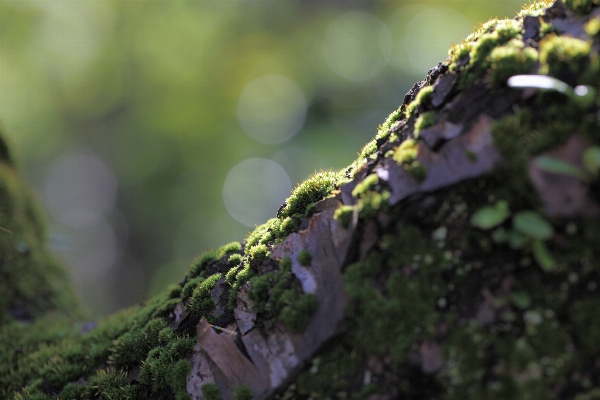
(457, 257)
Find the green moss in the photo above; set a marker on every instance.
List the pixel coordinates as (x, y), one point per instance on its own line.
(107, 384)
(383, 130)
(229, 248)
(344, 215)
(32, 282)
(511, 59)
(315, 188)
(258, 253)
(420, 100)
(210, 391)
(365, 185)
(481, 44)
(299, 310)
(407, 152)
(243, 392)
(279, 296)
(304, 258)
(534, 9)
(458, 52)
(425, 120)
(560, 53)
(165, 367)
(417, 170)
(201, 262)
(191, 285)
(201, 303)
(592, 27)
(581, 6)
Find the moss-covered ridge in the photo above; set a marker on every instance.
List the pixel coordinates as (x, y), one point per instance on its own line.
(31, 281)
(481, 274)
(464, 241)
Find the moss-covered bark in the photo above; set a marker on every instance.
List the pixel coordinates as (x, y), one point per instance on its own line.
(457, 257)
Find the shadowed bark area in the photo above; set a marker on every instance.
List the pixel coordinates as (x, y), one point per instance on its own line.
(457, 257)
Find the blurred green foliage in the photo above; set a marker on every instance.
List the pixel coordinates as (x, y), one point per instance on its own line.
(151, 88)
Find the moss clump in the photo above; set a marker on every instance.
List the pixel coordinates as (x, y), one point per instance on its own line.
(258, 253)
(592, 27)
(511, 59)
(308, 192)
(344, 215)
(234, 260)
(159, 372)
(407, 152)
(304, 258)
(243, 392)
(420, 100)
(480, 44)
(383, 130)
(59, 350)
(425, 120)
(562, 53)
(210, 256)
(279, 296)
(210, 391)
(31, 281)
(582, 6)
(535, 9)
(365, 185)
(201, 303)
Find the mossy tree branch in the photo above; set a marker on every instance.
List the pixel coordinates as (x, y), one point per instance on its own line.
(457, 257)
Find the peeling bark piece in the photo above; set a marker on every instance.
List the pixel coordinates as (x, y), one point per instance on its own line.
(442, 88)
(280, 353)
(277, 354)
(236, 368)
(274, 356)
(439, 132)
(466, 156)
(564, 195)
(570, 27)
(200, 375)
(532, 28)
(244, 316)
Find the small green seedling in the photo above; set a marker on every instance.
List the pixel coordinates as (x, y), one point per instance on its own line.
(583, 95)
(590, 160)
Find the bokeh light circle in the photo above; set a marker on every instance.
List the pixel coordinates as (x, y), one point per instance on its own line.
(424, 35)
(254, 190)
(272, 109)
(357, 46)
(79, 190)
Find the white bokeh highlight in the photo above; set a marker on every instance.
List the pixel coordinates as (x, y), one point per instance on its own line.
(272, 109)
(423, 35)
(255, 189)
(357, 46)
(79, 190)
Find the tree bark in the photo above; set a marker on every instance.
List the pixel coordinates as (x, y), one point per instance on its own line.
(457, 257)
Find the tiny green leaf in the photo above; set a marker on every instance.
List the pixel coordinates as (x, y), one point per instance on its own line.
(532, 224)
(490, 216)
(520, 299)
(591, 159)
(516, 240)
(557, 166)
(542, 256)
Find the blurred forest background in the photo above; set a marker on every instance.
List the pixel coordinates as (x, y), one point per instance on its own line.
(153, 130)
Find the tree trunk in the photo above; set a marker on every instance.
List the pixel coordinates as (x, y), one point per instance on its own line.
(457, 257)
